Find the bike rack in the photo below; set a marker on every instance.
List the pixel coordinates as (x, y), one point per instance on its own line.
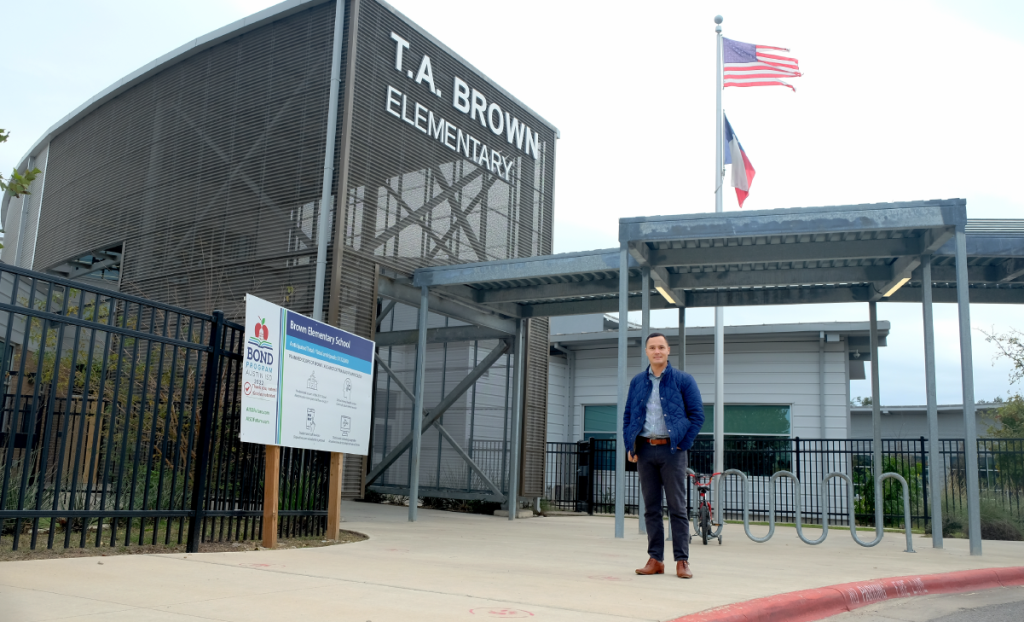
(797, 501)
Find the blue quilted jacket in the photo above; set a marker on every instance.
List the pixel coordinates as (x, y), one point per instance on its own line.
(680, 401)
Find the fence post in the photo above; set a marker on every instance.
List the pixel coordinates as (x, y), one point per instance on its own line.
(206, 414)
(924, 481)
(797, 439)
(591, 475)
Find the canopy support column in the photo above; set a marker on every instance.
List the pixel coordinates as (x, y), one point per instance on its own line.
(967, 374)
(517, 411)
(682, 367)
(876, 419)
(645, 330)
(417, 410)
(934, 461)
(620, 450)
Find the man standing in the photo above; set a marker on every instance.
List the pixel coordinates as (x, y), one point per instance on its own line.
(664, 412)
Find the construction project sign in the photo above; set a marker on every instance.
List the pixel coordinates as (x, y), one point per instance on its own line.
(305, 384)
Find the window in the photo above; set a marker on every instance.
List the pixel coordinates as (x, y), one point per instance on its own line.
(740, 420)
(599, 424)
(749, 420)
(599, 421)
(756, 439)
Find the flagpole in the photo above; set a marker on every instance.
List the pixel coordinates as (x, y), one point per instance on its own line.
(719, 423)
(719, 174)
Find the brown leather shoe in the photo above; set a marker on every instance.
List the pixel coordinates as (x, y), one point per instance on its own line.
(683, 570)
(653, 567)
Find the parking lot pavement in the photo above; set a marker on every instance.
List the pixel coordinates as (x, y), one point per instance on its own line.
(450, 566)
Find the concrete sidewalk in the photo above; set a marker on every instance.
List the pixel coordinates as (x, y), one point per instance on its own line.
(461, 567)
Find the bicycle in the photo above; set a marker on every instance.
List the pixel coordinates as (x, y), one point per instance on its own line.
(702, 521)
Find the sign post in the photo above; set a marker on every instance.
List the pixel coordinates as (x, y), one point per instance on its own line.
(334, 496)
(306, 385)
(271, 481)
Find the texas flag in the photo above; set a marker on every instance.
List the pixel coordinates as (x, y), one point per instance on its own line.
(742, 169)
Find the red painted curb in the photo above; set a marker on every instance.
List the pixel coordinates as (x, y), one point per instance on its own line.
(818, 603)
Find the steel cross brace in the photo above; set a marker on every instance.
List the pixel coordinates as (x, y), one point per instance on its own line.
(434, 415)
(384, 313)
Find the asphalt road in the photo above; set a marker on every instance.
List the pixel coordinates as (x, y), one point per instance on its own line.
(998, 605)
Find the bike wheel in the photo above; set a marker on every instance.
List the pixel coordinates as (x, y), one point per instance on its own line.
(705, 523)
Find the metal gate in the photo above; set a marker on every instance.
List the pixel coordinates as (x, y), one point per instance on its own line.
(119, 423)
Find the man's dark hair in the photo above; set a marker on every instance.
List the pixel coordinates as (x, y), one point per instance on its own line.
(649, 337)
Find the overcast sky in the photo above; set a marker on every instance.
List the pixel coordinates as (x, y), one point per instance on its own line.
(900, 100)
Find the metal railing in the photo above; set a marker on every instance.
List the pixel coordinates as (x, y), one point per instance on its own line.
(581, 477)
(119, 422)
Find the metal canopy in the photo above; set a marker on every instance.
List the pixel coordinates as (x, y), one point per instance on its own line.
(787, 256)
(919, 251)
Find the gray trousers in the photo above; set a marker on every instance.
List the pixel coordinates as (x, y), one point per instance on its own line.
(660, 469)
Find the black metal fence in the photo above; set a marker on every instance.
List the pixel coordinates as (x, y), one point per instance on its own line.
(581, 477)
(119, 422)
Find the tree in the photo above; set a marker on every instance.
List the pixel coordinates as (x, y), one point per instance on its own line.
(18, 184)
(1010, 418)
(1011, 346)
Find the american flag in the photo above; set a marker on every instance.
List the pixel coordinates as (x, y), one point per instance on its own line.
(747, 64)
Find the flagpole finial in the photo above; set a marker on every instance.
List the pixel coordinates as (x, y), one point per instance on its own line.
(719, 19)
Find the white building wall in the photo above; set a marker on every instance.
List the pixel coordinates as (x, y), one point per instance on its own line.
(912, 425)
(780, 372)
(558, 370)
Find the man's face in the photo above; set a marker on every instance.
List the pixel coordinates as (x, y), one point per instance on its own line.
(657, 351)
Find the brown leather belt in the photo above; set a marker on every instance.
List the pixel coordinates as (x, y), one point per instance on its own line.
(654, 441)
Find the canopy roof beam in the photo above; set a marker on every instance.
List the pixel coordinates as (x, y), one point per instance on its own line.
(390, 288)
(659, 276)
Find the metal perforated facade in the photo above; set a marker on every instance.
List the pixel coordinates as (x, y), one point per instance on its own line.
(535, 415)
(207, 174)
(412, 200)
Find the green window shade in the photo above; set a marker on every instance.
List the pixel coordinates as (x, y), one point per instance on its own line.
(599, 419)
(709, 420)
(749, 419)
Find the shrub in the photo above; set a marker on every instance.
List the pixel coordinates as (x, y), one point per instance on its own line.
(997, 522)
(892, 490)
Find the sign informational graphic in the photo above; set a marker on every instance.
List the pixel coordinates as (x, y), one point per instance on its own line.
(305, 384)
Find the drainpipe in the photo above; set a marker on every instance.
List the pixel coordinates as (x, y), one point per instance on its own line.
(821, 382)
(328, 183)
